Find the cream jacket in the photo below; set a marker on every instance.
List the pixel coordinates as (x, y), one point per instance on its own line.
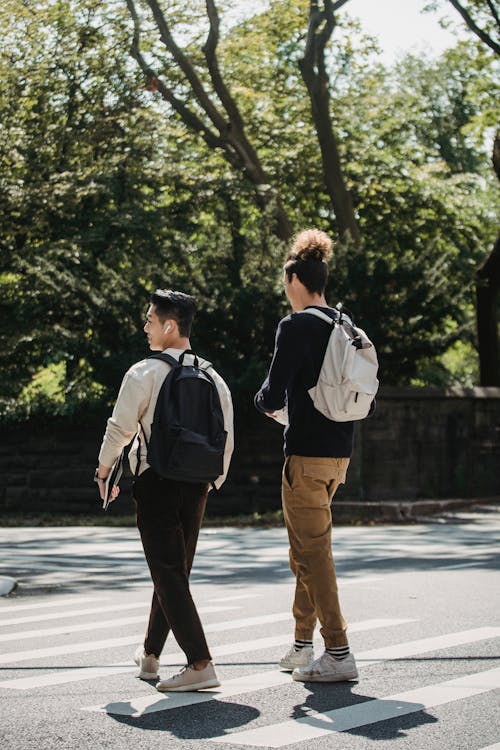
(136, 403)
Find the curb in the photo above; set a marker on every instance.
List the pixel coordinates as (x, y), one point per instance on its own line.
(7, 585)
(402, 510)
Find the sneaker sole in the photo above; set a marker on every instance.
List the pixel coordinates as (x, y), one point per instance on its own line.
(326, 677)
(290, 668)
(189, 688)
(148, 675)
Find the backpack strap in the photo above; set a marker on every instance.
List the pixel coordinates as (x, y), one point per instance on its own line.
(318, 314)
(206, 365)
(172, 361)
(196, 362)
(343, 320)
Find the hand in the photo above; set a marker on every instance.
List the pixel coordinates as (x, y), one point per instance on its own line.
(115, 490)
(271, 414)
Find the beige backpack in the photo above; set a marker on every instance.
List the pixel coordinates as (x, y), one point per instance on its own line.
(348, 381)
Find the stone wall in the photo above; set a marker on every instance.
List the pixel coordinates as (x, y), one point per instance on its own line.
(420, 443)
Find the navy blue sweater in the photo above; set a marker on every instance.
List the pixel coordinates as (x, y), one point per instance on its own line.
(298, 355)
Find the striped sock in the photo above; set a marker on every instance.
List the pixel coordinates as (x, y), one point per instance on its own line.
(339, 652)
(299, 644)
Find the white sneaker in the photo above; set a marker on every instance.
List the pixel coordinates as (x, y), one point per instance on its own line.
(190, 679)
(148, 664)
(297, 657)
(327, 669)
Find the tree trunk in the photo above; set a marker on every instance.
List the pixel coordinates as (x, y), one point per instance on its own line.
(487, 293)
(313, 70)
(218, 122)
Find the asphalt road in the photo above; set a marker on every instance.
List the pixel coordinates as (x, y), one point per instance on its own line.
(422, 603)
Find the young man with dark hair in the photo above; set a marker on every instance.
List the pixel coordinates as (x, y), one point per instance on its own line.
(169, 512)
(317, 453)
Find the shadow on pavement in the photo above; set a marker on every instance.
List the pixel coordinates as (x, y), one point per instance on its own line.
(196, 722)
(68, 559)
(396, 716)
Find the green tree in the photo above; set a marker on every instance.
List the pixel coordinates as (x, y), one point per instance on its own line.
(482, 19)
(79, 190)
(107, 192)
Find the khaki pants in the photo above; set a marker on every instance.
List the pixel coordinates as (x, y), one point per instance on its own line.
(308, 486)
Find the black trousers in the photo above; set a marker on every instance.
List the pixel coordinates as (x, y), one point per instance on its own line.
(169, 516)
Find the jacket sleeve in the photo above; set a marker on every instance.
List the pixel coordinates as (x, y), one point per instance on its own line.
(227, 410)
(272, 395)
(123, 424)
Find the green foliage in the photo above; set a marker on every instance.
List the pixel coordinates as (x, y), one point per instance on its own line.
(106, 195)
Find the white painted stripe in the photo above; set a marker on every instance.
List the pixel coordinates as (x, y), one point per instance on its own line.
(357, 581)
(75, 648)
(235, 597)
(42, 604)
(108, 643)
(362, 714)
(62, 615)
(496, 746)
(15, 657)
(457, 566)
(148, 704)
(86, 673)
(151, 703)
(401, 650)
(71, 628)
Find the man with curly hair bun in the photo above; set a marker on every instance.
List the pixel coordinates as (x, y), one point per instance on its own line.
(317, 453)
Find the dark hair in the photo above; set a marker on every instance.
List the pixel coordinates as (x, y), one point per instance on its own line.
(177, 305)
(308, 258)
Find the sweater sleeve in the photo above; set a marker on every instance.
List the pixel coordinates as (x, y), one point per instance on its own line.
(286, 358)
(123, 424)
(227, 410)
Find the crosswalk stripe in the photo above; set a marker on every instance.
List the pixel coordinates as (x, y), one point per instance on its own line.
(234, 597)
(362, 714)
(97, 625)
(360, 581)
(59, 602)
(63, 614)
(496, 746)
(250, 683)
(108, 643)
(15, 657)
(152, 703)
(86, 673)
(401, 650)
(71, 628)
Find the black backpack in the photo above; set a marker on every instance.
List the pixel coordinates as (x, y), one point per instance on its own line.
(187, 434)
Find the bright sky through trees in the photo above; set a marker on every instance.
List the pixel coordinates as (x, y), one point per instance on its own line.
(401, 27)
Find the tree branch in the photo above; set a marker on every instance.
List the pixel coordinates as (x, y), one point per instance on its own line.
(493, 11)
(315, 76)
(475, 28)
(231, 137)
(209, 50)
(236, 131)
(187, 68)
(189, 117)
(336, 6)
(326, 32)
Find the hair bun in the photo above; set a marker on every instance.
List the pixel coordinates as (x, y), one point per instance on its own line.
(312, 244)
